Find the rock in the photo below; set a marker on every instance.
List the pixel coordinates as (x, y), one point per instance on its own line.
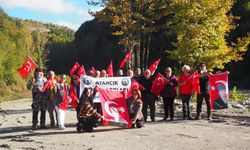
(5, 146)
(239, 106)
(21, 139)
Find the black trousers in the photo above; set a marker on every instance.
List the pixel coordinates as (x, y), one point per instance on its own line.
(98, 108)
(148, 100)
(185, 105)
(204, 95)
(35, 117)
(78, 108)
(168, 106)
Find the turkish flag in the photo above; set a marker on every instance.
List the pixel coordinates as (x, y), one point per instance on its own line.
(195, 82)
(153, 66)
(219, 90)
(47, 84)
(158, 85)
(114, 107)
(134, 85)
(74, 68)
(110, 70)
(73, 96)
(93, 69)
(81, 71)
(28, 66)
(127, 57)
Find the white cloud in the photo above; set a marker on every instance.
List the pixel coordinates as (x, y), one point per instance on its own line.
(50, 6)
(84, 14)
(69, 25)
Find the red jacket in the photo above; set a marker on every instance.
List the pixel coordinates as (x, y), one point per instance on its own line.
(186, 88)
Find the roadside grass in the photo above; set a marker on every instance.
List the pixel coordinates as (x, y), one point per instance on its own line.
(13, 92)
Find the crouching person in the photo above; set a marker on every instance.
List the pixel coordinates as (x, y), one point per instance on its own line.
(61, 100)
(134, 104)
(38, 98)
(88, 117)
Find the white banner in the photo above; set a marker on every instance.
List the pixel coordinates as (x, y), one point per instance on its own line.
(113, 83)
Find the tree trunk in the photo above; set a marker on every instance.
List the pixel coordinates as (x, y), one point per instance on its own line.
(147, 57)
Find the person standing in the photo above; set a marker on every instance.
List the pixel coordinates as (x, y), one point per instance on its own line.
(185, 90)
(134, 104)
(119, 73)
(130, 73)
(103, 73)
(147, 96)
(75, 92)
(137, 74)
(61, 100)
(205, 93)
(169, 94)
(50, 104)
(38, 98)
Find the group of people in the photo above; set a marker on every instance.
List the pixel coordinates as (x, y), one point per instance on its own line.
(54, 99)
(57, 96)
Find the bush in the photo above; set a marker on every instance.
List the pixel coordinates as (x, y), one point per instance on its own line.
(235, 95)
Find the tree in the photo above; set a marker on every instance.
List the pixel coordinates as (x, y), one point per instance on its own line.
(201, 28)
(133, 22)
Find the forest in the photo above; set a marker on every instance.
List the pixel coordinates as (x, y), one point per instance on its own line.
(179, 32)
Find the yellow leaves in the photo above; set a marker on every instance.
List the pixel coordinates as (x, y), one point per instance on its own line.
(118, 33)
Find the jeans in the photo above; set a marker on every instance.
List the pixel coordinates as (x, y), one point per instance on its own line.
(185, 105)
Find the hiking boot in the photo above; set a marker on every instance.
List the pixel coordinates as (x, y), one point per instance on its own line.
(209, 117)
(34, 126)
(43, 126)
(165, 119)
(198, 117)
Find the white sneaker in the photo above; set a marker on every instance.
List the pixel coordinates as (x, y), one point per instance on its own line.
(61, 127)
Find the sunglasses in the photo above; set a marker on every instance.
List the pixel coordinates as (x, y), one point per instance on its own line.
(134, 93)
(168, 71)
(75, 79)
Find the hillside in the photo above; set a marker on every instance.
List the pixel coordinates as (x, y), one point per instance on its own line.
(19, 38)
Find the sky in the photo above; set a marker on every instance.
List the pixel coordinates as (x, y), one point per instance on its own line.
(70, 13)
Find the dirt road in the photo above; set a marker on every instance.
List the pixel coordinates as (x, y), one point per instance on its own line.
(221, 133)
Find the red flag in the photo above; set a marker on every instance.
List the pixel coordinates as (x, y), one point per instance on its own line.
(28, 66)
(81, 71)
(93, 69)
(158, 85)
(195, 82)
(73, 96)
(154, 64)
(219, 90)
(127, 57)
(74, 68)
(110, 70)
(114, 107)
(46, 85)
(134, 85)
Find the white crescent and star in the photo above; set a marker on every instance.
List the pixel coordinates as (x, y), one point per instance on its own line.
(160, 81)
(28, 66)
(107, 108)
